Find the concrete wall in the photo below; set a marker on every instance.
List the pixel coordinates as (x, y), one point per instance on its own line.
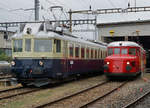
(123, 29)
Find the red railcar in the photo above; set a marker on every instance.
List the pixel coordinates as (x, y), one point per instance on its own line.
(124, 58)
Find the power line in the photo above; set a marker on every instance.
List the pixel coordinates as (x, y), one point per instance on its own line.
(50, 2)
(84, 3)
(2, 4)
(112, 4)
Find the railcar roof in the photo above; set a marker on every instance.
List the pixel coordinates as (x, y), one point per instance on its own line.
(52, 34)
(123, 43)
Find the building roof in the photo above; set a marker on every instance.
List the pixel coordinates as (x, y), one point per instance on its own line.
(124, 22)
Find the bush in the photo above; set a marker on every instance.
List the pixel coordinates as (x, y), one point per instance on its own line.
(4, 57)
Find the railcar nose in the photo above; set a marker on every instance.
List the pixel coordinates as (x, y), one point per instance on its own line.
(116, 66)
(119, 66)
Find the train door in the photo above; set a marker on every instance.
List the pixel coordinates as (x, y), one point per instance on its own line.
(71, 50)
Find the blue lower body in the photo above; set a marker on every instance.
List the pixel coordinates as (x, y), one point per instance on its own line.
(29, 69)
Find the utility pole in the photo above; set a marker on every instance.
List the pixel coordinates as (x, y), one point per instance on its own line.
(70, 19)
(37, 4)
(135, 3)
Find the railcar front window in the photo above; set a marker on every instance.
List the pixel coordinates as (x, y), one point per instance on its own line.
(132, 51)
(28, 45)
(17, 45)
(124, 51)
(116, 50)
(42, 45)
(110, 51)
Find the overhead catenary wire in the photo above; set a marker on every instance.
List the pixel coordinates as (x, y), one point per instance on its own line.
(5, 6)
(84, 3)
(111, 3)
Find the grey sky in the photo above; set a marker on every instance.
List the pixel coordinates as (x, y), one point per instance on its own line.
(20, 15)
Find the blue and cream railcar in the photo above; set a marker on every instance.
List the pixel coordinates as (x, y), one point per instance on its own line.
(41, 55)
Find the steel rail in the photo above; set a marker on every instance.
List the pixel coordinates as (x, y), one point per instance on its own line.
(12, 89)
(97, 99)
(23, 93)
(136, 100)
(66, 97)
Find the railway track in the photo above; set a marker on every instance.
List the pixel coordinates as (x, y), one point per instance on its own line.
(11, 89)
(78, 94)
(101, 97)
(5, 77)
(134, 102)
(72, 95)
(10, 93)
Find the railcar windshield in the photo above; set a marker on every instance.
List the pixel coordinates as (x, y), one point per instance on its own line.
(42, 45)
(124, 51)
(17, 45)
(116, 50)
(110, 51)
(28, 45)
(132, 51)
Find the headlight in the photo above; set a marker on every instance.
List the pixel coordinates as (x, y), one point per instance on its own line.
(107, 63)
(13, 63)
(41, 63)
(128, 63)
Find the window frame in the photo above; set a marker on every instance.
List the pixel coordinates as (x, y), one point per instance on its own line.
(51, 48)
(83, 52)
(58, 46)
(30, 44)
(19, 45)
(134, 51)
(77, 47)
(87, 52)
(72, 46)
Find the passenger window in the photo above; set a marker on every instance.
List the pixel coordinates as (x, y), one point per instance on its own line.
(77, 51)
(101, 54)
(116, 50)
(87, 53)
(124, 51)
(92, 53)
(95, 53)
(132, 51)
(82, 52)
(28, 45)
(110, 51)
(58, 45)
(71, 48)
